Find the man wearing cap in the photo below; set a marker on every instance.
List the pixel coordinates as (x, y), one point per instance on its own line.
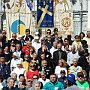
(81, 83)
(19, 69)
(70, 83)
(36, 44)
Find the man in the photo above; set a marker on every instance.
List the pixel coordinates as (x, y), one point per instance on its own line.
(53, 84)
(81, 83)
(4, 69)
(74, 69)
(59, 54)
(27, 36)
(71, 55)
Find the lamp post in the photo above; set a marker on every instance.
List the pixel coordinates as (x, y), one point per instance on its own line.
(81, 14)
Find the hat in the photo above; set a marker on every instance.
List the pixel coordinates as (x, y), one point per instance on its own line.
(80, 74)
(15, 54)
(19, 36)
(19, 62)
(26, 56)
(36, 37)
(71, 78)
(36, 33)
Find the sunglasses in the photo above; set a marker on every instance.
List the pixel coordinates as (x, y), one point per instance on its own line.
(81, 76)
(29, 81)
(32, 66)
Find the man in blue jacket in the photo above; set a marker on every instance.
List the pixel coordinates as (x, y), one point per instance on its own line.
(53, 84)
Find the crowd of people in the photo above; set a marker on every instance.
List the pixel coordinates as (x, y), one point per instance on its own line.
(34, 62)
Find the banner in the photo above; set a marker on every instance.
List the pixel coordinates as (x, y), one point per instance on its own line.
(18, 18)
(45, 13)
(66, 22)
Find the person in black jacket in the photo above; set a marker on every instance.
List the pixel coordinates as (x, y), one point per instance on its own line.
(59, 54)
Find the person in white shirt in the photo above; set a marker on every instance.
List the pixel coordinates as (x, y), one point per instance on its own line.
(61, 66)
(36, 44)
(19, 69)
(43, 78)
(71, 55)
(54, 48)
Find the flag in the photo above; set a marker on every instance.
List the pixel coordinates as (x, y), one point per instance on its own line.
(29, 4)
(45, 14)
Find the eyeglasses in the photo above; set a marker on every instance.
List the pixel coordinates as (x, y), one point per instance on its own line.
(4, 33)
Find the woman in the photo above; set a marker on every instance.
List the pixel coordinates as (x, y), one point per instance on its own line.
(32, 71)
(7, 55)
(61, 66)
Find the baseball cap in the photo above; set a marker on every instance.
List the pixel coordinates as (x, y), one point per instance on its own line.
(71, 78)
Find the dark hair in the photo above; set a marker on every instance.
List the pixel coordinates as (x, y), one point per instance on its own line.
(21, 75)
(82, 33)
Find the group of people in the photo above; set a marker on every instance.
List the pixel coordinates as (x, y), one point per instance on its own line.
(34, 62)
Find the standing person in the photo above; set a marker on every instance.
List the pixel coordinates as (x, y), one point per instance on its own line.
(81, 83)
(27, 36)
(10, 85)
(59, 54)
(53, 84)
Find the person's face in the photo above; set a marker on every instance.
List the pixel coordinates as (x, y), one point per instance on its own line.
(26, 58)
(66, 42)
(52, 78)
(62, 74)
(77, 39)
(34, 56)
(29, 83)
(32, 67)
(14, 36)
(37, 86)
(28, 44)
(43, 76)
(21, 79)
(19, 65)
(48, 32)
(11, 83)
(59, 46)
(4, 33)
(75, 62)
(66, 47)
(88, 34)
(27, 33)
(73, 48)
(81, 35)
(18, 47)
(80, 79)
(55, 44)
(2, 61)
(14, 76)
(60, 63)
(44, 63)
(43, 56)
(6, 49)
(49, 38)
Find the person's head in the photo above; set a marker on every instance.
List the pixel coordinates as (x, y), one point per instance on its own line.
(59, 37)
(4, 32)
(14, 76)
(14, 36)
(80, 77)
(21, 78)
(2, 60)
(12, 43)
(15, 55)
(28, 44)
(6, 49)
(18, 47)
(34, 56)
(10, 82)
(66, 42)
(35, 77)
(59, 46)
(53, 78)
(1, 50)
(82, 35)
(27, 32)
(75, 61)
(43, 75)
(60, 63)
(55, 30)
(48, 32)
(88, 34)
(42, 56)
(49, 37)
(19, 64)
(37, 85)
(77, 38)
(32, 66)
(44, 48)
(66, 47)
(26, 57)
(29, 83)
(36, 38)
(73, 48)
(55, 44)
(62, 73)
(44, 63)
(70, 79)
(19, 37)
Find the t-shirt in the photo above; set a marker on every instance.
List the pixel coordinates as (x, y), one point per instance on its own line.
(83, 86)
